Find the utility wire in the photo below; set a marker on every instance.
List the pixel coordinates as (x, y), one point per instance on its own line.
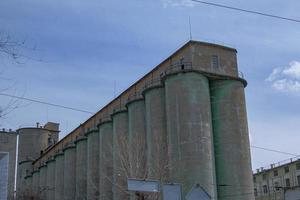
(272, 150)
(85, 111)
(247, 11)
(46, 103)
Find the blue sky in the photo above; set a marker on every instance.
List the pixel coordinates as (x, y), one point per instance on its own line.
(87, 46)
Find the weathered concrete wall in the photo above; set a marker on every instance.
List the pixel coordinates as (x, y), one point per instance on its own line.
(28, 188)
(59, 176)
(51, 179)
(231, 140)
(43, 182)
(120, 155)
(70, 172)
(157, 149)
(31, 142)
(24, 169)
(36, 184)
(190, 142)
(137, 138)
(106, 160)
(81, 168)
(8, 144)
(93, 164)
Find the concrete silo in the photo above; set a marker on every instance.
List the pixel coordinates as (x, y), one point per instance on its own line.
(24, 169)
(120, 155)
(231, 140)
(33, 141)
(69, 172)
(50, 178)
(28, 188)
(190, 142)
(36, 184)
(137, 137)
(43, 181)
(106, 160)
(81, 168)
(93, 164)
(59, 176)
(157, 149)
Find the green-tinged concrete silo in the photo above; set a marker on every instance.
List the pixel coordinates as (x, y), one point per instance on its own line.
(69, 172)
(43, 181)
(105, 160)
(93, 164)
(231, 140)
(137, 137)
(35, 184)
(190, 142)
(81, 168)
(120, 155)
(24, 170)
(28, 188)
(59, 176)
(157, 149)
(50, 178)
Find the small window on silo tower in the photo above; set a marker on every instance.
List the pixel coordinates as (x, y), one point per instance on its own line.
(215, 62)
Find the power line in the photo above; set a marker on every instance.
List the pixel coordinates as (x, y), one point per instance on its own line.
(247, 11)
(46, 103)
(272, 150)
(89, 112)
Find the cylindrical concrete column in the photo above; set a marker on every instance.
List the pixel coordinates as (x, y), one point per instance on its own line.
(50, 179)
(43, 181)
(28, 191)
(35, 184)
(81, 168)
(106, 160)
(190, 142)
(24, 169)
(231, 140)
(137, 138)
(93, 165)
(156, 129)
(59, 176)
(69, 172)
(120, 155)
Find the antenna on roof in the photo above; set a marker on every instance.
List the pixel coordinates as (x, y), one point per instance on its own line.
(115, 88)
(190, 26)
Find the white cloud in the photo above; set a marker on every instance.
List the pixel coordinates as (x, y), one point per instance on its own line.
(286, 79)
(293, 70)
(176, 3)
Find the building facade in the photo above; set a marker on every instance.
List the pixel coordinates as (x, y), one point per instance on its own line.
(183, 122)
(279, 182)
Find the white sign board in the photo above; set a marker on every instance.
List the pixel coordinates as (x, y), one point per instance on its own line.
(143, 185)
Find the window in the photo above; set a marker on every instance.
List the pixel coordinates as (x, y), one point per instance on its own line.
(265, 189)
(287, 182)
(255, 192)
(215, 61)
(275, 172)
(298, 180)
(298, 166)
(286, 169)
